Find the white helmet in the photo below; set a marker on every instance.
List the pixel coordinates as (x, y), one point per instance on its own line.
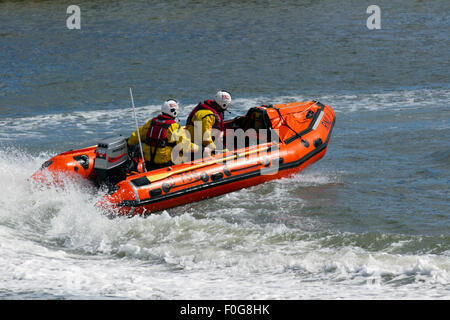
(223, 99)
(170, 108)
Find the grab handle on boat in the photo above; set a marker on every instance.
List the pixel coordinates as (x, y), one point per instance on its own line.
(164, 175)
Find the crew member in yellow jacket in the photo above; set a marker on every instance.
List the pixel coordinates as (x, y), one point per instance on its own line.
(160, 135)
(207, 116)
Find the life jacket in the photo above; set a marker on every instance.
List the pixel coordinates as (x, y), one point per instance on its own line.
(211, 106)
(157, 132)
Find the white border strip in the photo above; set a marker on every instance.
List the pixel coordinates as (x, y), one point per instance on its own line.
(319, 118)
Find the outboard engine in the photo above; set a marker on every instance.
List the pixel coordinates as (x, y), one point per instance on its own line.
(111, 161)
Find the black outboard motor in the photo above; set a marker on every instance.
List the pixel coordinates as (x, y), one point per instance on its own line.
(111, 161)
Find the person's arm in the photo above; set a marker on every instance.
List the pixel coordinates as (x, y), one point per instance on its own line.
(176, 134)
(207, 123)
(133, 139)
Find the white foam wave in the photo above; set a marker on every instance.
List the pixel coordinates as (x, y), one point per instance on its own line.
(53, 242)
(314, 177)
(394, 100)
(110, 121)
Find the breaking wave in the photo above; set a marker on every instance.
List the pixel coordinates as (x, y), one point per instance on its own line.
(54, 243)
(116, 120)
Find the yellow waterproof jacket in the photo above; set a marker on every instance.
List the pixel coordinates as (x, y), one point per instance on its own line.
(175, 135)
(207, 119)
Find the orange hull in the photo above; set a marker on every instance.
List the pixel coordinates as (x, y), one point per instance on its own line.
(303, 129)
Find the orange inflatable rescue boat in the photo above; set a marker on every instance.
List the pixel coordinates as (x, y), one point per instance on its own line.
(280, 140)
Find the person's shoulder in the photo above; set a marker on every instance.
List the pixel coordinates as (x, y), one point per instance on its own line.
(205, 112)
(150, 120)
